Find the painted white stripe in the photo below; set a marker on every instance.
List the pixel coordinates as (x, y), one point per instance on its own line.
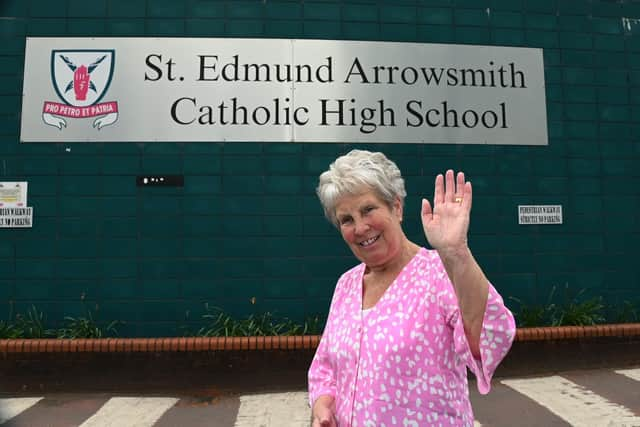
(573, 403)
(278, 410)
(274, 410)
(11, 407)
(130, 412)
(634, 374)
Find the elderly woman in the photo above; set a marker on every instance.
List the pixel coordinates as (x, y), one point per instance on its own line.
(405, 323)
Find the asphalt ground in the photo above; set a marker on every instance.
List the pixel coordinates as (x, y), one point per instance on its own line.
(594, 398)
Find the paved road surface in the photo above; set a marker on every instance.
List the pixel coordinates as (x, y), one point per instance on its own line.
(596, 398)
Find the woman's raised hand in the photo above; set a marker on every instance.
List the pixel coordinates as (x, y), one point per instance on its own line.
(446, 224)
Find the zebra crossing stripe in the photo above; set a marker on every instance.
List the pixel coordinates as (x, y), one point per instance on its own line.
(130, 412)
(634, 374)
(573, 403)
(274, 409)
(277, 410)
(11, 407)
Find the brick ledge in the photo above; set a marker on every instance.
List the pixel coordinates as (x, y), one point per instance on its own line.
(551, 333)
(198, 344)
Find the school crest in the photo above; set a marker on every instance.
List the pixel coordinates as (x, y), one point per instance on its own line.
(81, 79)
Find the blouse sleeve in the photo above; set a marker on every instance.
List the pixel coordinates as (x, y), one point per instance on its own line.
(321, 375)
(496, 336)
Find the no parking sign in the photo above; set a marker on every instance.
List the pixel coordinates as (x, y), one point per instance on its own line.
(14, 212)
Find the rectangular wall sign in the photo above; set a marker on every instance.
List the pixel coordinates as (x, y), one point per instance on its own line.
(204, 89)
(13, 194)
(16, 217)
(539, 214)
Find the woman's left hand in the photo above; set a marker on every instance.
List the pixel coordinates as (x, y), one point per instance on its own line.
(446, 224)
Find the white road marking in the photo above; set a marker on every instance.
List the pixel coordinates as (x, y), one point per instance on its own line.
(278, 410)
(573, 403)
(11, 407)
(274, 410)
(130, 412)
(634, 374)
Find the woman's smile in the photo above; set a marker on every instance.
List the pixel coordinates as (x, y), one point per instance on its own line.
(369, 242)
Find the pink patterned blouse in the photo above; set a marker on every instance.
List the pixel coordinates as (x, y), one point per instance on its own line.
(403, 363)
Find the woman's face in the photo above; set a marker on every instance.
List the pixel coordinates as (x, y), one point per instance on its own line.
(371, 229)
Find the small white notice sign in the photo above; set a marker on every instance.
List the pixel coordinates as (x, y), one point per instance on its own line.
(16, 217)
(539, 214)
(13, 194)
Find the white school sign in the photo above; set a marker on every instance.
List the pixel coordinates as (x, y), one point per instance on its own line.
(186, 89)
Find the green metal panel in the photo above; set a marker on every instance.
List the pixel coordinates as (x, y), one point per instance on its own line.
(127, 8)
(125, 27)
(83, 9)
(246, 232)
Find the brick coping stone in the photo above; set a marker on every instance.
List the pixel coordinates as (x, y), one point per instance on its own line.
(260, 343)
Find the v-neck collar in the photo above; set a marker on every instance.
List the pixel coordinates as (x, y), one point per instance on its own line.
(392, 287)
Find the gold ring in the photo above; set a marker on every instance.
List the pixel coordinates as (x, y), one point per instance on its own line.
(458, 200)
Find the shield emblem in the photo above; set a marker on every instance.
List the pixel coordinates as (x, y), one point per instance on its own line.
(82, 77)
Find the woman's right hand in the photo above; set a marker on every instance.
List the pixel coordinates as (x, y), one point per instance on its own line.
(324, 412)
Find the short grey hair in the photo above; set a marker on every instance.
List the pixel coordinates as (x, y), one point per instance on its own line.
(356, 172)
